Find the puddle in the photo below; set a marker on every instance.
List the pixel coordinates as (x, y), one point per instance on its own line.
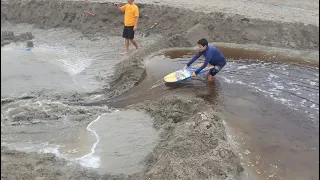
(115, 142)
(125, 139)
(75, 63)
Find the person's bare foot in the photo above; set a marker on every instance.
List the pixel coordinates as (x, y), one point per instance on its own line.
(125, 53)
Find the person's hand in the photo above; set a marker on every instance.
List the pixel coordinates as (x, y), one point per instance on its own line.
(135, 28)
(116, 5)
(194, 74)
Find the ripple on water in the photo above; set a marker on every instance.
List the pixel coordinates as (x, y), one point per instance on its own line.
(61, 59)
(294, 86)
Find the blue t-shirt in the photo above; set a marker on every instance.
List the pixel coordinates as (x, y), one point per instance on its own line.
(213, 56)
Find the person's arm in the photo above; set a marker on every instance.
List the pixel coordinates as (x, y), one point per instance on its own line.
(122, 8)
(136, 14)
(194, 58)
(206, 62)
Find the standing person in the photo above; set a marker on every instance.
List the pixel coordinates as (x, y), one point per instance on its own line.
(213, 56)
(131, 15)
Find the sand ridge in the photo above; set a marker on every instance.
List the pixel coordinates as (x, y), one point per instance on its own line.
(305, 11)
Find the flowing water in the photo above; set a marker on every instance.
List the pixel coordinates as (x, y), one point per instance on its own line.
(62, 66)
(271, 110)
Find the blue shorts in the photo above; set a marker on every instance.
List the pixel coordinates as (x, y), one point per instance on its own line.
(215, 70)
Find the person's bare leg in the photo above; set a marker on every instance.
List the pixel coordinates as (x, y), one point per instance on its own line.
(134, 43)
(210, 78)
(127, 46)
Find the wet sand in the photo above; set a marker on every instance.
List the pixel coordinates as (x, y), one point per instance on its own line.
(191, 136)
(305, 11)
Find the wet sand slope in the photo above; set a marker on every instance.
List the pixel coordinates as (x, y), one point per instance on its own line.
(192, 136)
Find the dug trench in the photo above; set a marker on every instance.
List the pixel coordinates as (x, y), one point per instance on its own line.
(193, 143)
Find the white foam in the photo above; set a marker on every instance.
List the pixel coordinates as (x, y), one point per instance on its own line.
(40, 148)
(246, 152)
(227, 80)
(243, 67)
(284, 101)
(303, 101)
(277, 85)
(53, 150)
(97, 96)
(294, 89)
(240, 82)
(274, 86)
(273, 76)
(275, 90)
(261, 90)
(76, 65)
(90, 160)
(313, 83)
(72, 62)
(311, 116)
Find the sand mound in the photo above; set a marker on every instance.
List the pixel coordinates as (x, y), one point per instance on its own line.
(8, 37)
(193, 144)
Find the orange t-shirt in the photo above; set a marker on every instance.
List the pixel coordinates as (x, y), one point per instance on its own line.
(131, 12)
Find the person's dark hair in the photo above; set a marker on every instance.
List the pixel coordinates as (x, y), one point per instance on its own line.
(203, 42)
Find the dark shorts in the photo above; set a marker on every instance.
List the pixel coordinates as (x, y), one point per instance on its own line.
(128, 32)
(215, 70)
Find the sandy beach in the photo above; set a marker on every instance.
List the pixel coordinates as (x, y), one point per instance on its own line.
(75, 75)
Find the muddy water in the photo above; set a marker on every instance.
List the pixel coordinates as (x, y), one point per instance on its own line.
(271, 108)
(125, 137)
(63, 64)
(61, 60)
